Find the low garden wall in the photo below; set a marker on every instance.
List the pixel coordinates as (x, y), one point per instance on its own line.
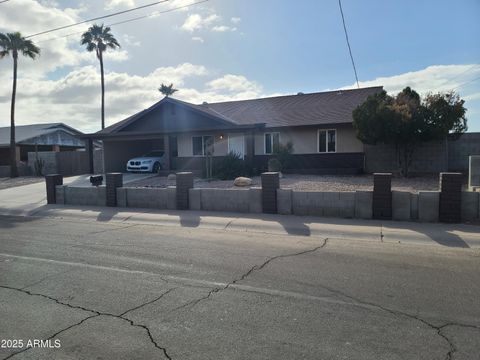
(405, 206)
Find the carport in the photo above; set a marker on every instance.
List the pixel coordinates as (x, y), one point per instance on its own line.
(170, 125)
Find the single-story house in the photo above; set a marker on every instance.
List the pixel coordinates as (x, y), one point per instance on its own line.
(319, 125)
(40, 137)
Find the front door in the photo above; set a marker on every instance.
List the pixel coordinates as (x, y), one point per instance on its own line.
(236, 144)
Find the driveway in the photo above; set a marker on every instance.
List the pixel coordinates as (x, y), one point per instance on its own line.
(26, 199)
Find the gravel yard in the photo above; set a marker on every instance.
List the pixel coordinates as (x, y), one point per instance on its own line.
(6, 183)
(309, 183)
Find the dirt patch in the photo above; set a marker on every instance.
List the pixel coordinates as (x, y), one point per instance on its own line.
(6, 183)
(309, 183)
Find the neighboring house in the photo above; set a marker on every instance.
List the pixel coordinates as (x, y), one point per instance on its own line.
(43, 137)
(319, 125)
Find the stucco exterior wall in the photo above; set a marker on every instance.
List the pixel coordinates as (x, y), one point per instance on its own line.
(304, 139)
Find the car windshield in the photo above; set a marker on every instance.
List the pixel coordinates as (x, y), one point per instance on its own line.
(158, 153)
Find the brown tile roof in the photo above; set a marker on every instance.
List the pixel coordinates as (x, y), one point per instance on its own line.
(331, 107)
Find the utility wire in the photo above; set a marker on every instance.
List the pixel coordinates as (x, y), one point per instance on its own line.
(98, 18)
(348, 43)
(3, 1)
(128, 20)
(465, 83)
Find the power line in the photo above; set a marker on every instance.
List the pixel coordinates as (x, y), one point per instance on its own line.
(464, 72)
(3, 1)
(128, 20)
(465, 83)
(348, 43)
(98, 18)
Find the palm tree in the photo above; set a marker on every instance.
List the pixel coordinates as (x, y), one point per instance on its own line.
(15, 44)
(167, 90)
(99, 38)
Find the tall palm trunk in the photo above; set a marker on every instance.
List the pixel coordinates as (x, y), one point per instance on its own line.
(13, 145)
(100, 57)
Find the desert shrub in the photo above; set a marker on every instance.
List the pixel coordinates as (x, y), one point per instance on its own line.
(282, 157)
(230, 167)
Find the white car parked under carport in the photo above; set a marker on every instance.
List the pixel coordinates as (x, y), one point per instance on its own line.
(153, 162)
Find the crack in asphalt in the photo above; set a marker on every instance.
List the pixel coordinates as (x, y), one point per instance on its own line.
(245, 275)
(453, 348)
(95, 314)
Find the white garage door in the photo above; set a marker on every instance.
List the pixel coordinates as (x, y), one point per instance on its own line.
(236, 144)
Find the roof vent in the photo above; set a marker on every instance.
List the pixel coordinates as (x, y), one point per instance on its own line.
(340, 92)
(300, 93)
(205, 103)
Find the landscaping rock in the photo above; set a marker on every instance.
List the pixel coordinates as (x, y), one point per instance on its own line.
(242, 181)
(171, 177)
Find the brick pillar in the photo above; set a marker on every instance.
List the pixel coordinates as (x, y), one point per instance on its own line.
(449, 210)
(113, 181)
(52, 181)
(89, 148)
(184, 183)
(382, 196)
(270, 184)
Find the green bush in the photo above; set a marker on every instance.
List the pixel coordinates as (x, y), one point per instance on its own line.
(230, 167)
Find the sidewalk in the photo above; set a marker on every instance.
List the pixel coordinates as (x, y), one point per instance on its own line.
(30, 200)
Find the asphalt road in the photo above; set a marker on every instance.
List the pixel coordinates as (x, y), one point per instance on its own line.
(112, 290)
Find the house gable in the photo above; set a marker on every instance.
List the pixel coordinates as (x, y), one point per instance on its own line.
(170, 116)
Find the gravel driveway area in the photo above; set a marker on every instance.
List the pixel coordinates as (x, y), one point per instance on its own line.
(6, 183)
(309, 183)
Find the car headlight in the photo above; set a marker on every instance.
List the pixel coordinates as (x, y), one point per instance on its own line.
(146, 161)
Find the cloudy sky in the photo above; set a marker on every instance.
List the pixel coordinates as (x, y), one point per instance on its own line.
(236, 49)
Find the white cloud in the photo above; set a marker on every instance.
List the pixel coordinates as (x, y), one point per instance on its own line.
(198, 38)
(111, 4)
(234, 83)
(235, 20)
(196, 22)
(131, 40)
(75, 98)
(56, 52)
(223, 28)
(435, 78)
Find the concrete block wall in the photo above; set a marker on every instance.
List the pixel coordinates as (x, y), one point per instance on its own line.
(470, 206)
(423, 207)
(363, 204)
(82, 196)
(401, 205)
(229, 200)
(317, 203)
(428, 205)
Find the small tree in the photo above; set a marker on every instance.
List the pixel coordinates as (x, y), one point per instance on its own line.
(167, 90)
(406, 121)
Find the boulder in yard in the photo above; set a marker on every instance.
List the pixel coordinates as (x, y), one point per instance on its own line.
(242, 181)
(171, 177)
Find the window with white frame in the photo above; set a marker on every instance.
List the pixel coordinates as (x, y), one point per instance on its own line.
(327, 140)
(201, 145)
(271, 141)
